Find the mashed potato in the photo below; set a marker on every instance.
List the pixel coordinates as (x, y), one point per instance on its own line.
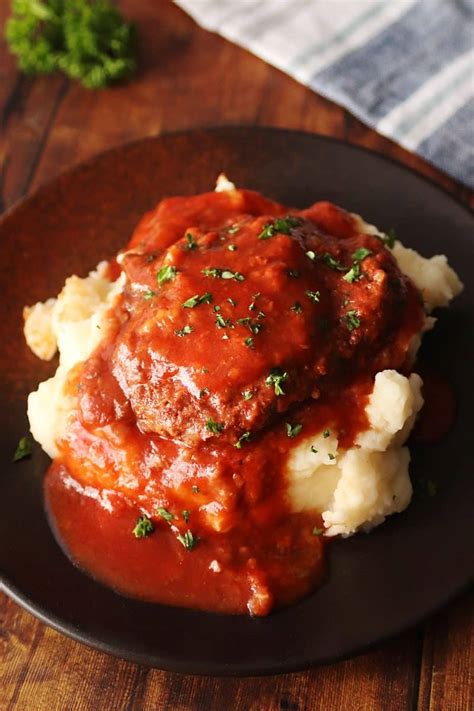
(353, 489)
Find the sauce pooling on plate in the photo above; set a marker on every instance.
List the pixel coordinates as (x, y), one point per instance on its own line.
(243, 326)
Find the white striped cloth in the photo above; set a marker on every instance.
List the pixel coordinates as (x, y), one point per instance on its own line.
(404, 67)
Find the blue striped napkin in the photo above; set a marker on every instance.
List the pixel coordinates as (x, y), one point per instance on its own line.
(404, 67)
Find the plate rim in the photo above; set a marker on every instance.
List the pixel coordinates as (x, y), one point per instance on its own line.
(155, 660)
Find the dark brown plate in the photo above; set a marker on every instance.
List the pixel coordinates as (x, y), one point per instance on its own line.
(379, 584)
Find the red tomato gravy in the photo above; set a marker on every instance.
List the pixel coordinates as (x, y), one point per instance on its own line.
(244, 327)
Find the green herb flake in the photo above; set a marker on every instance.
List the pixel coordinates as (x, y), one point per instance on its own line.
(326, 434)
(297, 308)
(214, 427)
(282, 225)
(232, 247)
(244, 438)
(388, 239)
(317, 531)
(249, 342)
(196, 300)
(313, 295)
(185, 331)
(233, 229)
(188, 540)
(186, 514)
(333, 263)
(313, 449)
(293, 430)
(351, 319)
(191, 242)
(360, 254)
(247, 394)
(164, 513)
(143, 527)
(276, 378)
(354, 273)
(149, 294)
(166, 274)
(219, 273)
(222, 322)
(331, 456)
(22, 450)
(231, 301)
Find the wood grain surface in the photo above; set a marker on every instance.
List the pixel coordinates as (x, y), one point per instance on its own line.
(188, 78)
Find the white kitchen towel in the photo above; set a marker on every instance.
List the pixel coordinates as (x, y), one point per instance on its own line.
(404, 67)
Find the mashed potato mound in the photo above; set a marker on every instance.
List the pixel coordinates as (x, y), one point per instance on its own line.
(359, 487)
(74, 323)
(353, 489)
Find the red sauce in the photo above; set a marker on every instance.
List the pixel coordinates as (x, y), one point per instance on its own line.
(260, 324)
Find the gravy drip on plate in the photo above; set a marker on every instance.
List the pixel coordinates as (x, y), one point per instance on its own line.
(244, 326)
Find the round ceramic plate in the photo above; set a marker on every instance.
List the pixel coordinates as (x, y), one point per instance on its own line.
(378, 584)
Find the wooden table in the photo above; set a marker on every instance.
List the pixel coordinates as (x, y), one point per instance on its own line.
(188, 78)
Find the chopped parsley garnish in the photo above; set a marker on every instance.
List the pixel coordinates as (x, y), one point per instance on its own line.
(313, 449)
(247, 394)
(354, 273)
(249, 342)
(213, 426)
(253, 326)
(149, 294)
(188, 540)
(282, 225)
(326, 434)
(143, 527)
(244, 438)
(333, 263)
(216, 308)
(186, 514)
(352, 320)
(232, 247)
(231, 301)
(164, 513)
(297, 308)
(388, 239)
(317, 531)
(166, 274)
(331, 456)
(196, 300)
(276, 378)
(195, 489)
(313, 295)
(218, 273)
(23, 449)
(293, 273)
(192, 244)
(185, 331)
(222, 322)
(361, 254)
(203, 392)
(293, 430)
(253, 305)
(233, 229)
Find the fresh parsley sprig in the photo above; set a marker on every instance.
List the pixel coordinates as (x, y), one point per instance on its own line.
(86, 39)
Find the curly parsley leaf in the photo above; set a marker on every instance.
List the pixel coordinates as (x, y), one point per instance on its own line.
(165, 274)
(143, 527)
(86, 39)
(276, 377)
